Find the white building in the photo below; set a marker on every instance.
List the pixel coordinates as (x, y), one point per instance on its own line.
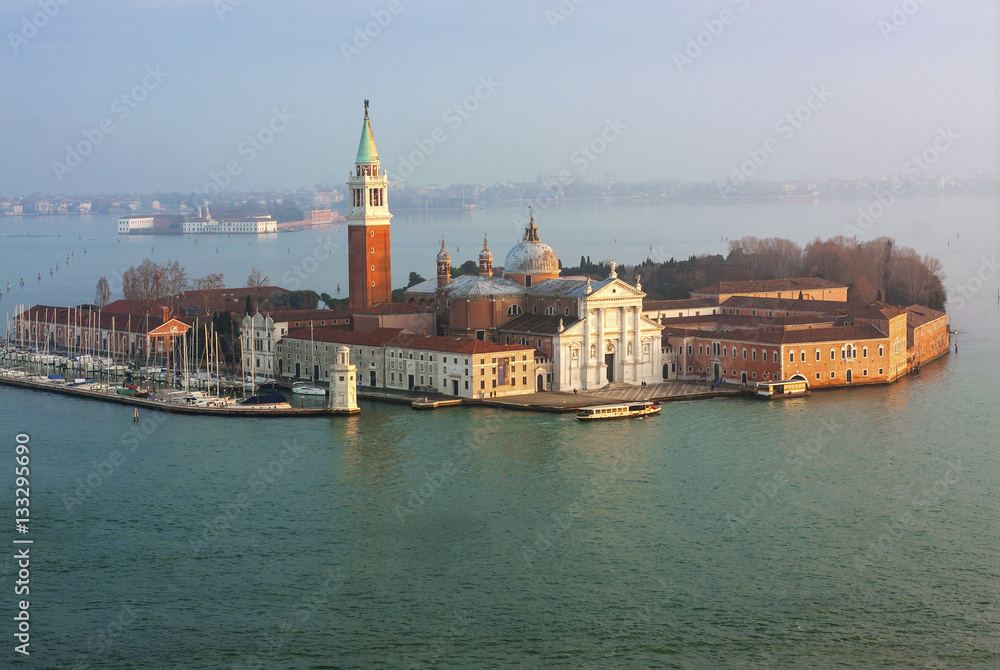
(261, 333)
(257, 225)
(130, 224)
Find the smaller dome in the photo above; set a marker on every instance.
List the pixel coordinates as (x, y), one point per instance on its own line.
(485, 254)
(443, 256)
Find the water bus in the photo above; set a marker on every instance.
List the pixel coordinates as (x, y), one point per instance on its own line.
(623, 411)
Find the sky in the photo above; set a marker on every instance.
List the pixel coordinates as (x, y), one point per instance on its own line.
(118, 96)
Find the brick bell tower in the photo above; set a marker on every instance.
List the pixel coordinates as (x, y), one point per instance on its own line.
(369, 258)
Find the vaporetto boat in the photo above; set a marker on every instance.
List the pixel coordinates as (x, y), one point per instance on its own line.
(622, 411)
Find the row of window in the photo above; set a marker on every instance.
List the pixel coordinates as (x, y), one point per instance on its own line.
(847, 352)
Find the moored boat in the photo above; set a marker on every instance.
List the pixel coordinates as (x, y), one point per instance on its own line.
(786, 388)
(272, 401)
(305, 388)
(622, 411)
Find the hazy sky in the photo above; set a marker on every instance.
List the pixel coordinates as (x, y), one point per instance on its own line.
(538, 81)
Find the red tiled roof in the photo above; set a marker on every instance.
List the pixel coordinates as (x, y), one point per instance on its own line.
(376, 338)
(767, 285)
(306, 315)
(784, 336)
(786, 305)
(456, 345)
(918, 315)
(667, 305)
(85, 318)
(835, 334)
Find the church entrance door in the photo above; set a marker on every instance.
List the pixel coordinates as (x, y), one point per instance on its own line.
(609, 360)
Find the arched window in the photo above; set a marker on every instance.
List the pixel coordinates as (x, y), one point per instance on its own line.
(551, 311)
(514, 310)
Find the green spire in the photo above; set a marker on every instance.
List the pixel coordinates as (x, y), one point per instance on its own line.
(367, 153)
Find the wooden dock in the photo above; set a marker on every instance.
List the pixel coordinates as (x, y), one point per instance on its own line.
(158, 406)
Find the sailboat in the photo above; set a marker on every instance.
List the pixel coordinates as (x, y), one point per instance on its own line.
(309, 388)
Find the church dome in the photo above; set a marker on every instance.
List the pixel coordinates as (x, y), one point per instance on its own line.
(531, 256)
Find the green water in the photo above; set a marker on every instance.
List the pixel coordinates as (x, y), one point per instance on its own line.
(854, 528)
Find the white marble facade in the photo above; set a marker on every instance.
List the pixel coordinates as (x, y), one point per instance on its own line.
(611, 342)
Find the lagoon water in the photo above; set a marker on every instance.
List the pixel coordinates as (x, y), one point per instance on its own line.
(855, 528)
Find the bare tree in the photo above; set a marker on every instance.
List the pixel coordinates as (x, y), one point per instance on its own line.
(173, 282)
(780, 258)
(207, 285)
(130, 291)
(746, 252)
(910, 279)
(103, 296)
(255, 282)
(880, 249)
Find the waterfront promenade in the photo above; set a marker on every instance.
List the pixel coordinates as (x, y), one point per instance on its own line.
(558, 401)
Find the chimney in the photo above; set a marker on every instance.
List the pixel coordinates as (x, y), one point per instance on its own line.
(166, 314)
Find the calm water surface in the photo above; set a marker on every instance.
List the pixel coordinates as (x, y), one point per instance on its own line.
(849, 529)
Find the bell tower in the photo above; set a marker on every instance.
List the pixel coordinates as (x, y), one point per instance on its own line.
(485, 260)
(369, 258)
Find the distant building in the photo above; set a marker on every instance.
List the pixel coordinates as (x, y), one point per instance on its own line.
(256, 225)
(131, 224)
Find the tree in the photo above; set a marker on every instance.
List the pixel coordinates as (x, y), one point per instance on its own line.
(103, 293)
(142, 285)
(173, 282)
(255, 282)
(207, 285)
(415, 279)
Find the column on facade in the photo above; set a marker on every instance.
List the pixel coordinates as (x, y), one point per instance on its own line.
(637, 361)
(586, 366)
(599, 312)
(623, 344)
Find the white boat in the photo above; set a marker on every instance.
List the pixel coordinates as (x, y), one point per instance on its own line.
(622, 411)
(305, 388)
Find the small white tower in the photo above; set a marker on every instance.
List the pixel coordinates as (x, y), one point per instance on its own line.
(344, 389)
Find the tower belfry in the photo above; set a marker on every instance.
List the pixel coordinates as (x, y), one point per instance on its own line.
(369, 258)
